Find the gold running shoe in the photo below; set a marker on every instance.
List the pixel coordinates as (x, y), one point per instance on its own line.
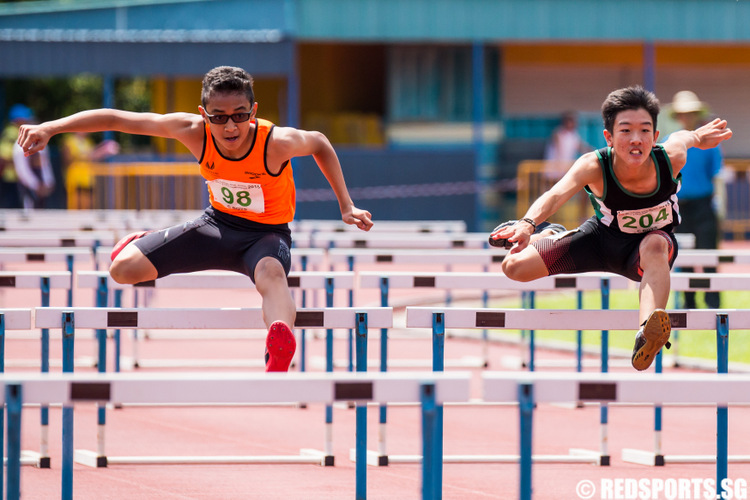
(654, 334)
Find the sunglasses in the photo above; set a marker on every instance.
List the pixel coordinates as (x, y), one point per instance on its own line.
(222, 119)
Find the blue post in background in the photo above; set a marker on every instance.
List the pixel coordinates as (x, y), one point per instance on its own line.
(526, 412)
(722, 412)
(431, 459)
(68, 339)
(361, 417)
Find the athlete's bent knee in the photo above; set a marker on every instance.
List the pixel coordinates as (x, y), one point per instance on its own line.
(269, 269)
(515, 269)
(654, 246)
(131, 270)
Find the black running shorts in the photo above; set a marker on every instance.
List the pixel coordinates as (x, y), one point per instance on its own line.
(216, 240)
(594, 247)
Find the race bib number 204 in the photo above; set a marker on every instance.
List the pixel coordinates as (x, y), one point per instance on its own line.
(237, 195)
(646, 219)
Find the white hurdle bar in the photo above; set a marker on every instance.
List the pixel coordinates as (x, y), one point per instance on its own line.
(392, 240)
(393, 226)
(711, 258)
(429, 389)
(88, 239)
(198, 318)
(636, 388)
(297, 280)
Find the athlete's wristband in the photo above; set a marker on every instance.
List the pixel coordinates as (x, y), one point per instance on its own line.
(530, 221)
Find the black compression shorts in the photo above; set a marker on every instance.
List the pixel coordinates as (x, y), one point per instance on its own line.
(216, 240)
(594, 247)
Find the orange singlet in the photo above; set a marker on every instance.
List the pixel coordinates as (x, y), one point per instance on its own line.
(244, 187)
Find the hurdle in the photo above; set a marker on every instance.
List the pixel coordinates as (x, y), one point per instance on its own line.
(636, 388)
(538, 319)
(198, 318)
(44, 281)
(486, 281)
(67, 255)
(297, 280)
(13, 320)
(73, 389)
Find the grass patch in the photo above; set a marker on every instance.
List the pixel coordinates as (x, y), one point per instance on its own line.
(693, 343)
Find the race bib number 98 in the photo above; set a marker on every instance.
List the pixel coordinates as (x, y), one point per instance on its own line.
(237, 195)
(645, 219)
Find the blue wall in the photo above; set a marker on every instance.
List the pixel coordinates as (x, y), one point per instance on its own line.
(422, 184)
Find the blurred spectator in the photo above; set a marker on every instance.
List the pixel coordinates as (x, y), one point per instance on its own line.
(565, 145)
(696, 195)
(78, 152)
(33, 174)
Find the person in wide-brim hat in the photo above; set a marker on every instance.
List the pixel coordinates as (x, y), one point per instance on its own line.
(686, 101)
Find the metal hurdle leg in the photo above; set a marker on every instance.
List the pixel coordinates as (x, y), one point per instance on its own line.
(527, 357)
(44, 458)
(722, 412)
(431, 488)
(438, 365)
(68, 337)
(101, 337)
(302, 336)
(602, 456)
(351, 304)
(382, 458)
(361, 417)
(526, 415)
(14, 403)
(721, 458)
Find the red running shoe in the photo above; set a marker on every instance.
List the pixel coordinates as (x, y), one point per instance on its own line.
(280, 347)
(125, 242)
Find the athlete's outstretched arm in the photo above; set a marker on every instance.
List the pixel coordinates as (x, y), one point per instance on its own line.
(708, 136)
(184, 127)
(584, 171)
